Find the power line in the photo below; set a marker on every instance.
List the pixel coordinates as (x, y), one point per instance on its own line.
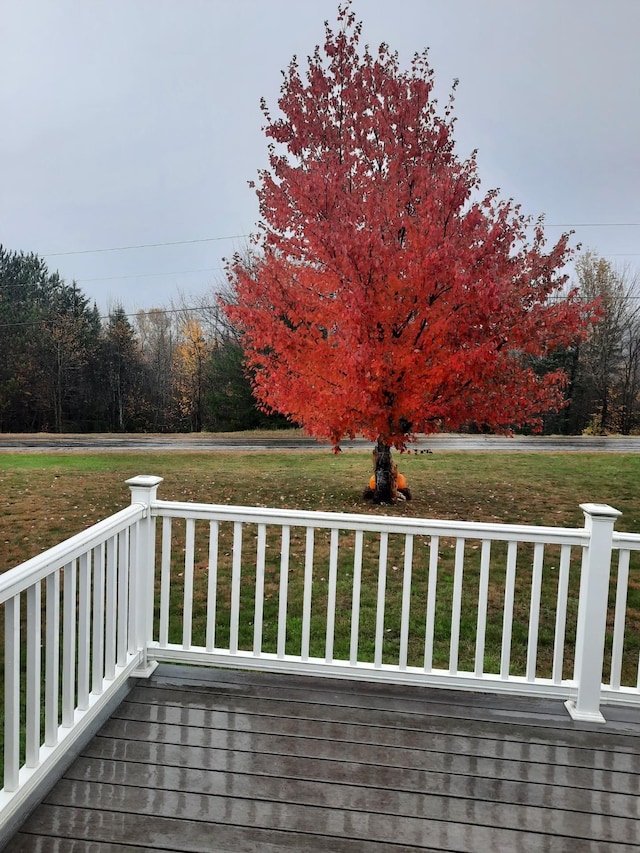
(149, 312)
(150, 274)
(246, 236)
(591, 224)
(144, 246)
(221, 269)
(52, 320)
(129, 276)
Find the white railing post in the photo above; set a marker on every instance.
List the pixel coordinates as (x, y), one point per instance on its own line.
(141, 586)
(592, 612)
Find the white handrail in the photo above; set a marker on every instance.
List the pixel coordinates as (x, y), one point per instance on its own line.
(93, 600)
(374, 523)
(37, 568)
(583, 690)
(81, 634)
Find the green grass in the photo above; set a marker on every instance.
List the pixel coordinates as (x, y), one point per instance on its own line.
(47, 497)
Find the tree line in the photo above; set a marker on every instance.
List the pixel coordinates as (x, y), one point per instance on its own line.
(603, 372)
(66, 368)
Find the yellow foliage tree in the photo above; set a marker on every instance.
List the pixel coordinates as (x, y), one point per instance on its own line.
(192, 353)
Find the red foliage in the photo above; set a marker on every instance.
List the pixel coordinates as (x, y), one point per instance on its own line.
(387, 296)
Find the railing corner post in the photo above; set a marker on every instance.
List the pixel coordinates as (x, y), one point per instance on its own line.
(592, 612)
(144, 489)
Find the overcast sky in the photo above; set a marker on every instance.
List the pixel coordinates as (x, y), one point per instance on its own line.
(132, 122)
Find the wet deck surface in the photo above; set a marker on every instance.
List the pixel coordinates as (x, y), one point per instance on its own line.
(210, 760)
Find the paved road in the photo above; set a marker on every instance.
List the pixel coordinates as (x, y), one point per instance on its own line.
(10, 443)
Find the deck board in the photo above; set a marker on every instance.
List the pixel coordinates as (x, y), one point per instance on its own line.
(211, 760)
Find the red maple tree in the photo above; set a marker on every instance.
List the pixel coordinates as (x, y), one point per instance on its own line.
(385, 296)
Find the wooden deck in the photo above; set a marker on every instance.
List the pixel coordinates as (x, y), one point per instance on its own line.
(210, 760)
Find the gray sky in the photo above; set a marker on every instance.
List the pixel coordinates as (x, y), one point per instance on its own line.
(130, 122)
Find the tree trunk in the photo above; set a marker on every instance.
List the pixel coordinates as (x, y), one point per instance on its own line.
(385, 473)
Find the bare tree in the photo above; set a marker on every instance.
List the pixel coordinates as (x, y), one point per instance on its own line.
(629, 393)
(610, 355)
(158, 337)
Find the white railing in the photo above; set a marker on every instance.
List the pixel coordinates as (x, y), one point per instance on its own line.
(73, 636)
(406, 600)
(493, 607)
(624, 620)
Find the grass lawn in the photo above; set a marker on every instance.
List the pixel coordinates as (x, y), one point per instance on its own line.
(44, 498)
(47, 497)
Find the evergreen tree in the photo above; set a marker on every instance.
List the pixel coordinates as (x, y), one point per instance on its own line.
(123, 372)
